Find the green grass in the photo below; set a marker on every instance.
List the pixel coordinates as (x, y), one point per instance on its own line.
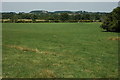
(66, 50)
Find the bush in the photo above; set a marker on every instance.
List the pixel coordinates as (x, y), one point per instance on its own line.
(111, 22)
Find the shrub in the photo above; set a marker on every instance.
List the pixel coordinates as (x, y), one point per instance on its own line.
(111, 22)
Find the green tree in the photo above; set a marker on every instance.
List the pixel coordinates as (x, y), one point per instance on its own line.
(33, 17)
(111, 22)
(64, 17)
(14, 18)
(77, 17)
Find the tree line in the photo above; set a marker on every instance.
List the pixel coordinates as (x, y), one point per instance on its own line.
(56, 16)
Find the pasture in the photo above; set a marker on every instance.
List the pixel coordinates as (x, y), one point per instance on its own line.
(58, 50)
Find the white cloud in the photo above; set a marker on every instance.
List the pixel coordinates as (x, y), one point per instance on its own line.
(60, 0)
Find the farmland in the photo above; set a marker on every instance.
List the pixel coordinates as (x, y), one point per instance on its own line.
(59, 50)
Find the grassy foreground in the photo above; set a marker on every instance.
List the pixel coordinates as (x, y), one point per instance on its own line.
(59, 50)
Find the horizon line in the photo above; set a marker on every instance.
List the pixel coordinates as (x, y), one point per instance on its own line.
(53, 11)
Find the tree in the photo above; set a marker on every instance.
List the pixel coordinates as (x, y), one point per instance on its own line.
(111, 22)
(14, 18)
(33, 17)
(64, 17)
(77, 17)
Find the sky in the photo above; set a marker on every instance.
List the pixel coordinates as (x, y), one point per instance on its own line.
(58, 6)
(59, 0)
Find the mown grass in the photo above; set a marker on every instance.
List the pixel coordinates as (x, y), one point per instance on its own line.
(63, 50)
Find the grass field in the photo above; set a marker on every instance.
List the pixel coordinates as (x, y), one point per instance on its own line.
(59, 50)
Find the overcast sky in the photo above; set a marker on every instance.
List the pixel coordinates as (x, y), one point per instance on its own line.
(56, 6)
(60, 0)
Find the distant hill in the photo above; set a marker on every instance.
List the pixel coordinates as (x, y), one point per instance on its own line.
(63, 12)
(58, 12)
(38, 11)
